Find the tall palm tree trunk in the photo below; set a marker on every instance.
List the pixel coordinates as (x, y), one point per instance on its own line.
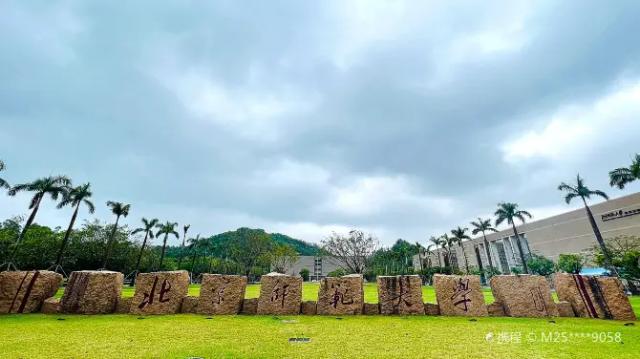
(524, 263)
(439, 261)
(603, 246)
(144, 244)
(65, 240)
(30, 220)
(110, 244)
(466, 261)
(488, 250)
(164, 247)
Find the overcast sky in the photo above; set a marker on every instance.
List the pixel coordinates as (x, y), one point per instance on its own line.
(402, 118)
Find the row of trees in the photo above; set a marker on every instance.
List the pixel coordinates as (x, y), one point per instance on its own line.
(509, 213)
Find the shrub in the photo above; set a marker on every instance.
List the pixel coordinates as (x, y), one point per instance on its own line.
(516, 270)
(490, 272)
(541, 265)
(337, 273)
(304, 273)
(571, 263)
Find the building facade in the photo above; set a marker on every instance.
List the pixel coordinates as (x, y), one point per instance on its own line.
(319, 267)
(569, 232)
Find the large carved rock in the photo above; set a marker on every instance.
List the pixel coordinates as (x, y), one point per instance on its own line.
(50, 306)
(25, 291)
(221, 294)
(400, 294)
(341, 296)
(160, 292)
(280, 294)
(92, 292)
(594, 297)
(460, 295)
(524, 295)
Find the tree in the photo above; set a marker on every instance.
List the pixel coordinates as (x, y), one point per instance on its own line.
(620, 177)
(250, 249)
(509, 212)
(282, 258)
(166, 229)
(482, 226)
(459, 235)
(185, 229)
(421, 251)
(437, 242)
(120, 210)
(54, 186)
(147, 228)
(540, 265)
(625, 252)
(447, 244)
(353, 251)
(582, 191)
(3, 183)
(571, 263)
(304, 273)
(74, 197)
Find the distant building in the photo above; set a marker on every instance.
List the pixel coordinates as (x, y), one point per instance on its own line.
(565, 233)
(319, 267)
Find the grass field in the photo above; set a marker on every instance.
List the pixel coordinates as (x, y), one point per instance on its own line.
(186, 335)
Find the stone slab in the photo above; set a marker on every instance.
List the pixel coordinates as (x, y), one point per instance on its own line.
(221, 294)
(341, 296)
(431, 309)
(189, 305)
(565, 309)
(280, 294)
(495, 309)
(400, 295)
(594, 297)
(160, 292)
(25, 291)
(249, 306)
(370, 309)
(459, 295)
(309, 307)
(123, 305)
(524, 295)
(92, 292)
(50, 306)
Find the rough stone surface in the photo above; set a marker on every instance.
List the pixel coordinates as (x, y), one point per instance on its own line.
(594, 297)
(25, 291)
(123, 305)
(221, 294)
(280, 294)
(400, 294)
(495, 309)
(341, 296)
(160, 292)
(308, 307)
(370, 309)
(50, 306)
(524, 295)
(431, 309)
(459, 295)
(249, 306)
(92, 292)
(565, 309)
(189, 305)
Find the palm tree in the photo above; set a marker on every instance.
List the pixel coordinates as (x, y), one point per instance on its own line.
(482, 226)
(120, 210)
(54, 186)
(447, 243)
(147, 228)
(437, 242)
(185, 229)
(620, 177)
(420, 250)
(166, 229)
(459, 235)
(427, 254)
(195, 244)
(509, 212)
(3, 183)
(582, 191)
(75, 197)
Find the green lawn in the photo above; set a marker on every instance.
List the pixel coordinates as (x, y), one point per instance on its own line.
(187, 335)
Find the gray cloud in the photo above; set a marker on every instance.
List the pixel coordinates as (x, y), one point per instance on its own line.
(401, 118)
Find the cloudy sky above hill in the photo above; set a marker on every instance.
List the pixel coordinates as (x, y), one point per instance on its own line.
(401, 118)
